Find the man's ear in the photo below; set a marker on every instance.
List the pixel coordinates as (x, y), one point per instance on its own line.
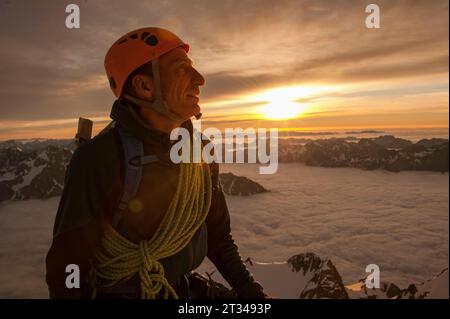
(143, 86)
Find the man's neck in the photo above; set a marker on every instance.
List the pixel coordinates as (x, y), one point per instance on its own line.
(157, 121)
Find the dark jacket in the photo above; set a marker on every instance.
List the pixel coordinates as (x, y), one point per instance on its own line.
(93, 186)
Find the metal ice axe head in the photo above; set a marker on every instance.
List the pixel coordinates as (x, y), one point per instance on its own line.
(84, 132)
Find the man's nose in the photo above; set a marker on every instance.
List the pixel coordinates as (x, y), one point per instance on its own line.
(198, 78)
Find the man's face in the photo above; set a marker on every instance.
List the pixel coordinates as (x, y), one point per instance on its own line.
(180, 83)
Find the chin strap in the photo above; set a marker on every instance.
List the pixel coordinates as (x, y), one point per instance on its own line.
(159, 105)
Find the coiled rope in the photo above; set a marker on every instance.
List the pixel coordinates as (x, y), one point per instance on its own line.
(119, 259)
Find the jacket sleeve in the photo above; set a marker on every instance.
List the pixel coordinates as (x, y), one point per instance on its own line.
(74, 246)
(222, 250)
(77, 227)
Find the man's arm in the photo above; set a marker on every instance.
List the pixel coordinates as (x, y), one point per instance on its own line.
(222, 250)
(74, 246)
(77, 225)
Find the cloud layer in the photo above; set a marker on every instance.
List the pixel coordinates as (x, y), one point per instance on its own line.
(50, 72)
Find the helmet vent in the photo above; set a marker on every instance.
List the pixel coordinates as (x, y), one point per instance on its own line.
(144, 35)
(124, 40)
(133, 36)
(152, 40)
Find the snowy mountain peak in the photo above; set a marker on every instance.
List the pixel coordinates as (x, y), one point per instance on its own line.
(36, 173)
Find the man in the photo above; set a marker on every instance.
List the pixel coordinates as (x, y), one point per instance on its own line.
(143, 243)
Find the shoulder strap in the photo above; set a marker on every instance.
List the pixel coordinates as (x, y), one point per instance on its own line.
(133, 159)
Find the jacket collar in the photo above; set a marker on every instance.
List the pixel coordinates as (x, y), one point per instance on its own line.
(122, 115)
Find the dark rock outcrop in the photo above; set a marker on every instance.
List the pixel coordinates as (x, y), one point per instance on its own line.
(433, 142)
(38, 173)
(389, 141)
(385, 152)
(325, 282)
(239, 185)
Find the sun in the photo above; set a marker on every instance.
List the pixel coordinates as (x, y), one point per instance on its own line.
(282, 103)
(282, 109)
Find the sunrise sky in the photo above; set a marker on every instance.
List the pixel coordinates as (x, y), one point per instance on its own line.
(306, 65)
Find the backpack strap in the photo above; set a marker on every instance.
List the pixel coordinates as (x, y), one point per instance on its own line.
(133, 159)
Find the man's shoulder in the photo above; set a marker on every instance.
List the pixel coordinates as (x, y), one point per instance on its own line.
(100, 149)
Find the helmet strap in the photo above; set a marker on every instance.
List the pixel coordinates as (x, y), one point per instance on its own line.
(158, 104)
(156, 79)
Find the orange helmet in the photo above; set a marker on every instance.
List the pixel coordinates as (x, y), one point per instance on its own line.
(135, 49)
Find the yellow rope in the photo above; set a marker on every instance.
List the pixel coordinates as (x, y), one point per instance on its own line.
(119, 259)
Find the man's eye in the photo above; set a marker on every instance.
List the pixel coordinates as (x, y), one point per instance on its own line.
(185, 68)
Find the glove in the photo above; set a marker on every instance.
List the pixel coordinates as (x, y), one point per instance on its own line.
(251, 290)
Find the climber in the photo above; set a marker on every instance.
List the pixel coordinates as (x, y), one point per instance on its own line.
(135, 223)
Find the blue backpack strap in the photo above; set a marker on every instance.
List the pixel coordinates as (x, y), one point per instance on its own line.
(134, 159)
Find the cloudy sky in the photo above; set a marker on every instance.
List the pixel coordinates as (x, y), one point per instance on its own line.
(309, 65)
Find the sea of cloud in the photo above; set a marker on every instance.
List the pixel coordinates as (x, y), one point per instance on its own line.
(398, 221)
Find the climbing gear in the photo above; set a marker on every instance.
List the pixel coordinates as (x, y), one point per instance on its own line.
(84, 131)
(159, 105)
(135, 49)
(118, 259)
